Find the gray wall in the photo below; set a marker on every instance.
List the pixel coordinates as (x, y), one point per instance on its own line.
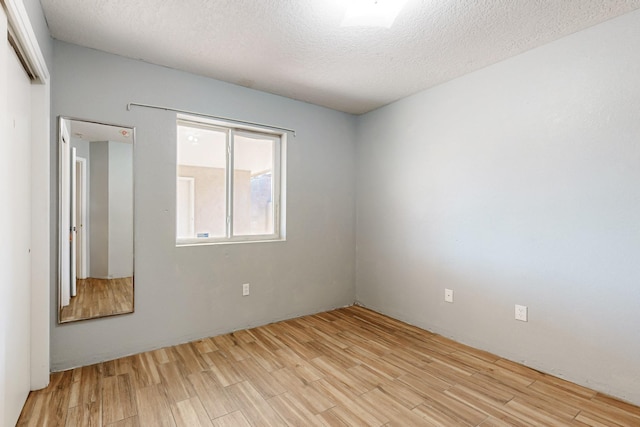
(99, 210)
(82, 148)
(189, 292)
(120, 209)
(517, 184)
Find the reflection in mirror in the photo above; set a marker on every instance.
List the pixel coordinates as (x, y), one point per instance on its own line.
(96, 220)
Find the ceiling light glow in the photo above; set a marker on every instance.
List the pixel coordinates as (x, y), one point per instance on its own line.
(372, 13)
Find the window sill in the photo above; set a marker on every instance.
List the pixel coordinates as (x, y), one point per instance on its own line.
(188, 243)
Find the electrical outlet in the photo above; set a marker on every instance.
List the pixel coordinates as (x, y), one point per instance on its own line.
(521, 312)
(448, 295)
(245, 290)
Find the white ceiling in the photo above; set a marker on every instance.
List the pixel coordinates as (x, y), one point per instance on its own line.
(89, 131)
(299, 50)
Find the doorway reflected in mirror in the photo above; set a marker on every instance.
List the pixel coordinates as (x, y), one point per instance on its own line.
(96, 245)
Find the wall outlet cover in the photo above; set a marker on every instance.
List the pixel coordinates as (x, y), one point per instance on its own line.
(448, 295)
(245, 290)
(521, 313)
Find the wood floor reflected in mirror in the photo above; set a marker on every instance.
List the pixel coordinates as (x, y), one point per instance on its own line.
(99, 298)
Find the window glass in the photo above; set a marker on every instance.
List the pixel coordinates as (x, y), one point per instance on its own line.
(201, 187)
(228, 183)
(253, 185)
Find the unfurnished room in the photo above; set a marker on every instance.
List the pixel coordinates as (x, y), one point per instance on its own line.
(320, 213)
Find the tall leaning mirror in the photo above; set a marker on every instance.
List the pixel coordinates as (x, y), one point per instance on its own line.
(96, 243)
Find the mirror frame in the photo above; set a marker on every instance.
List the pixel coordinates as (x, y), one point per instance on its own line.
(64, 229)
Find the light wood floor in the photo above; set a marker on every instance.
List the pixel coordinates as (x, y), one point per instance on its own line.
(347, 367)
(99, 298)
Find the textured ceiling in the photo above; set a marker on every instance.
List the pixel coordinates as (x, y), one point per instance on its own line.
(298, 49)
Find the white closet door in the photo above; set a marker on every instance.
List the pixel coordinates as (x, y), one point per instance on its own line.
(15, 229)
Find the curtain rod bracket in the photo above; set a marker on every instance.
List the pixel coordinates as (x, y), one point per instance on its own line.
(177, 110)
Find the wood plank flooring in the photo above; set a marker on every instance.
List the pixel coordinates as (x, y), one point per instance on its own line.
(348, 367)
(99, 298)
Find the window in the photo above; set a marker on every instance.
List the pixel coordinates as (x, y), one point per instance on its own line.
(228, 183)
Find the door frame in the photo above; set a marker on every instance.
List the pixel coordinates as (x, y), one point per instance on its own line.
(74, 223)
(81, 217)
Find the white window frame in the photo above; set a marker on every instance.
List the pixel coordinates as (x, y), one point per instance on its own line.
(279, 180)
